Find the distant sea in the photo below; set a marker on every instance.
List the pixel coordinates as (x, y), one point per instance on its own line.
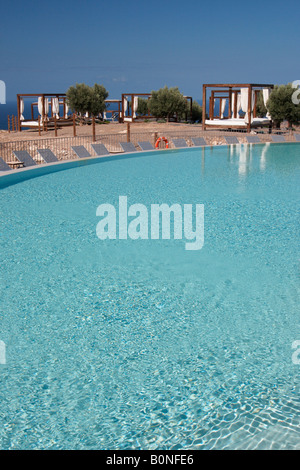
(8, 109)
(11, 108)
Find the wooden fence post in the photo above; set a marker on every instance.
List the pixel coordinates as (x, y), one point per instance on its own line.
(94, 129)
(74, 125)
(128, 132)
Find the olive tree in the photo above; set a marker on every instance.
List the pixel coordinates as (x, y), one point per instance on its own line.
(143, 106)
(196, 112)
(281, 107)
(167, 102)
(82, 98)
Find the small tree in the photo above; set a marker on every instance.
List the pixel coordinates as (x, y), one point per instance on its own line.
(281, 106)
(98, 97)
(143, 106)
(82, 98)
(196, 112)
(261, 110)
(166, 102)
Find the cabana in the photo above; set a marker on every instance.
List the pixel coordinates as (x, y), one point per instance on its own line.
(129, 112)
(114, 111)
(41, 116)
(239, 98)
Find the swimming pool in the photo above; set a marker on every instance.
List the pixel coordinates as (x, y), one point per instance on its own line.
(141, 344)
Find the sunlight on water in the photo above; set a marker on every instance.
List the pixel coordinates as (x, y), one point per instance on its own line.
(140, 344)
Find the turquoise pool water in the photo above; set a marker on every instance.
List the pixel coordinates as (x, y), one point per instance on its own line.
(140, 344)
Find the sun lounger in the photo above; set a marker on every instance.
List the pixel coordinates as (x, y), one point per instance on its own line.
(146, 145)
(297, 137)
(179, 143)
(100, 150)
(47, 155)
(198, 141)
(128, 146)
(278, 138)
(3, 165)
(24, 157)
(231, 139)
(253, 139)
(81, 151)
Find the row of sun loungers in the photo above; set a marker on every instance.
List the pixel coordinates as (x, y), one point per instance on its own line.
(128, 147)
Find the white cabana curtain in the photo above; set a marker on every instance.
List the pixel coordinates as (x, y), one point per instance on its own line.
(222, 107)
(266, 96)
(66, 110)
(40, 106)
(238, 105)
(125, 105)
(46, 107)
(244, 104)
(55, 107)
(21, 109)
(135, 106)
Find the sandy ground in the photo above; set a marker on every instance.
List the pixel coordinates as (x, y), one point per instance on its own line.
(111, 135)
(117, 128)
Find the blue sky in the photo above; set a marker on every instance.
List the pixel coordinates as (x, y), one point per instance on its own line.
(137, 46)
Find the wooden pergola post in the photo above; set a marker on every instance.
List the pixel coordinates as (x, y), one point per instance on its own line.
(74, 125)
(128, 131)
(235, 104)
(203, 106)
(229, 103)
(19, 112)
(249, 107)
(94, 129)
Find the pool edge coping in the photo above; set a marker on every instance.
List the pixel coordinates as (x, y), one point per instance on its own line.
(12, 177)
